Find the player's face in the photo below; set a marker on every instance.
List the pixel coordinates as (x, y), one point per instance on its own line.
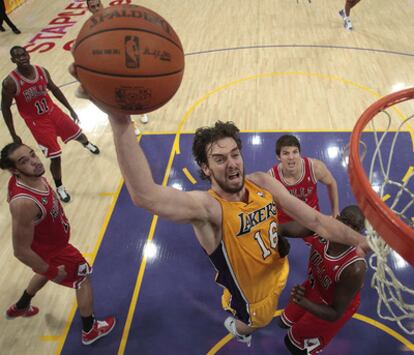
(27, 163)
(290, 159)
(94, 5)
(225, 165)
(21, 58)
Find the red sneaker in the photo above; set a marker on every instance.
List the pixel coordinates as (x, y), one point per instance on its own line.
(99, 329)
(13, 312)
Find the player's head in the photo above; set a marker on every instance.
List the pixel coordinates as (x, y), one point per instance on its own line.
(217, 151)
(21, 161)
(288, 152)
(94, 5)
(352, 216)
(19, 56)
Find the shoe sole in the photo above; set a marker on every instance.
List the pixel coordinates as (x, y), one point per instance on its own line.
(99, 336)
(23, 316)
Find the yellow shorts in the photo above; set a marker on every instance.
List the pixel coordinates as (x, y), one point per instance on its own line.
(262, 312)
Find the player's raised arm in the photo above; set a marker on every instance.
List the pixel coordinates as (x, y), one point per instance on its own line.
(326, 226)
(169, 203)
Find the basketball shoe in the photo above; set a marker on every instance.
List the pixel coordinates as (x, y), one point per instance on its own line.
(63, 195)
(230, 324)
(92, 148)
(144, 118)
(348, 24)
(99, 329)
(13, 312)
(342, 13)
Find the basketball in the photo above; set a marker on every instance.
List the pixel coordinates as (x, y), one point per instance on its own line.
(129, 59)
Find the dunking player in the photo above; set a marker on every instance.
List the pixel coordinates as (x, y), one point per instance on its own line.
(300, 175)
(41, 232)
(28, 85)
(322, 305)
(235, 221)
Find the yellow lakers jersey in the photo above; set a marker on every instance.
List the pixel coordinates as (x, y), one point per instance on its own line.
(247, 260)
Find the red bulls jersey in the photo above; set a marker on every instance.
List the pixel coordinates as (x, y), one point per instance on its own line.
(52, 230)
(325, 270)
(304, 189)
(31, 97)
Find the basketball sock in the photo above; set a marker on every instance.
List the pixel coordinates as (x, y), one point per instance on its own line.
(87, 323)
(58, 182)
(24, 301)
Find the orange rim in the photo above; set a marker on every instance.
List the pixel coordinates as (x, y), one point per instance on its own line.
(398, 235)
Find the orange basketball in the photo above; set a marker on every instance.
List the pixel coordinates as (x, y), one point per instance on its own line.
(129, 59)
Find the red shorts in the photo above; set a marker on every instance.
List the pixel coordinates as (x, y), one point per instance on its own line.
(76, 267)
(53, 124)
(308, 331)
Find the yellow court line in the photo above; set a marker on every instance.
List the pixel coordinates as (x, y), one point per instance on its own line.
(386, 197)
(107, 194)
(385, 329)
(189, 176)
(135, 294)
(220, 344)
(142, 267)
(408, 174)
(62, 338)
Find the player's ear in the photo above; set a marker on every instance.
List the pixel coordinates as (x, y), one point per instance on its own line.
(206, 170)
(14, 172)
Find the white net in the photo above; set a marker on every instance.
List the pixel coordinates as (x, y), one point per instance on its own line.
(391, 175)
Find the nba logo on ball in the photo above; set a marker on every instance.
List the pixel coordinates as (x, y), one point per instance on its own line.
(131, 51)
(129, 59)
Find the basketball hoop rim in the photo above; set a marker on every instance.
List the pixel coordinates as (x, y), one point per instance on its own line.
(390, 227)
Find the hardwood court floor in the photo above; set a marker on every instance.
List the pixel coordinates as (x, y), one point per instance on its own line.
(268, 65)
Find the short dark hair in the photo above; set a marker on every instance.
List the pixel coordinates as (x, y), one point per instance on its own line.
(208, 135)
(286, 140)
(12, 49)
(5, 161)
(353, 217)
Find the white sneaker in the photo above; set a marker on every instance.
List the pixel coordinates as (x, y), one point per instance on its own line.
(230, 324)
(342, 13)
(348, 24)
(63, 195)
(137, 131)
(144, 118)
